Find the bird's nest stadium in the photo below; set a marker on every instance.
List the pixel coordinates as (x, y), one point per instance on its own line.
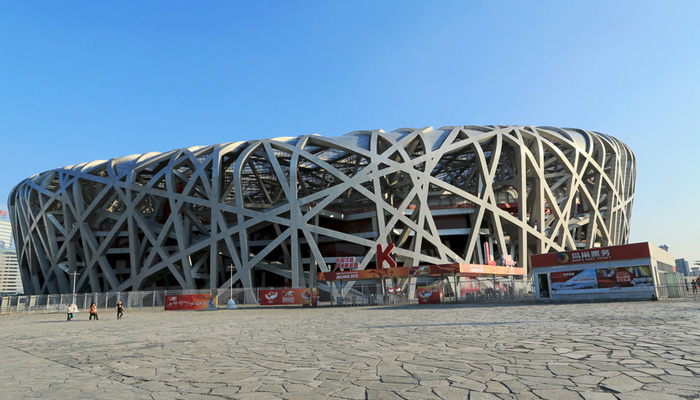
(279, 210)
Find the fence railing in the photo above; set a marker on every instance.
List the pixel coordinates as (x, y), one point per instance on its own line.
(355, 294)
(462, 291)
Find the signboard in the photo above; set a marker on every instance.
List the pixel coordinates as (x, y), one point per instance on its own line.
(507, 260)
(429, 294)
(612, 253)
(343, 263)
(385, 255)
(472, 270)
(486, 270)
(363, 274)
(602, 280)
(569, 281)
(189, 302)
(269, 297)
(625, 277)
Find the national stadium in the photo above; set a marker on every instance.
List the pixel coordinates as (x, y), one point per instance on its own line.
(275, 212)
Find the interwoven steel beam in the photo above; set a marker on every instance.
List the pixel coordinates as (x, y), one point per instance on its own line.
(288, 207)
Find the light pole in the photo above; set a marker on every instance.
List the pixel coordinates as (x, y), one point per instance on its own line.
(230, 282)
(75, 274)
(65, 269)
(231, 303)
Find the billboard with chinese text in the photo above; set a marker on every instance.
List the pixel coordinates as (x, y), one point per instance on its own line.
(601, 280)
(189, 302)
(288, 296)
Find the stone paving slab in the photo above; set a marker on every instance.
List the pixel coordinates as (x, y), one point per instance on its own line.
(627, 350)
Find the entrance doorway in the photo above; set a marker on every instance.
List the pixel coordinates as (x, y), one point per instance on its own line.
(543, 284)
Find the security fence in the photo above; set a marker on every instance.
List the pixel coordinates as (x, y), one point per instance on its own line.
(357, 294)
(330, 294)
(450, 290)
(55, 303)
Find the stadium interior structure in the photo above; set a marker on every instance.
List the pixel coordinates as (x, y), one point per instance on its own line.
(279, 210)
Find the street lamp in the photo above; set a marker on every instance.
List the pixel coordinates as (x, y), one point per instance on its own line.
(231, 304)
(74, 273)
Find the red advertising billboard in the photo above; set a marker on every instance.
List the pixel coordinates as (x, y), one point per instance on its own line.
(625, 277)
(189, 302)
(269, 297)
(429, 294)
(602, 280)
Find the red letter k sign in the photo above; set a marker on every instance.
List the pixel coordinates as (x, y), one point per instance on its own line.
(384, 256)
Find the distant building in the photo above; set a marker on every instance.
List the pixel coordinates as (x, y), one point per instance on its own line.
(10, 280)
(682, 267)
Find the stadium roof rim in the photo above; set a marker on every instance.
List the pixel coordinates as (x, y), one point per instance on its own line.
(357, 138)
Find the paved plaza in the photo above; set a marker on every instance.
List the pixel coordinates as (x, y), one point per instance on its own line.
(626, 350)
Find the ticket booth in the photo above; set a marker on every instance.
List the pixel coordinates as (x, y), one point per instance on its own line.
(626, 272)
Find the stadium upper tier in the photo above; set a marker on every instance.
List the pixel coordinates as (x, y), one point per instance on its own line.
(278, 210)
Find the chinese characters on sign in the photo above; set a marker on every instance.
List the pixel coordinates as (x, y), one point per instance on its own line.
(507, 260)
(590, 255)
(594, 255)
(349, 263)
(188, 302)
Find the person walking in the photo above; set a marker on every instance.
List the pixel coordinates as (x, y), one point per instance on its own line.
(70, 312)
(120, 310)
(93, 312)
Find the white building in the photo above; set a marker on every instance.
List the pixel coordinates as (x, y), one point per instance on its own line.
(10, 280)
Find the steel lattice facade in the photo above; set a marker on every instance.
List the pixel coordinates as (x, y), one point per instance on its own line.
(279, 210)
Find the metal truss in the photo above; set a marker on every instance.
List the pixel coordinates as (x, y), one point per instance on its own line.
(279, 210)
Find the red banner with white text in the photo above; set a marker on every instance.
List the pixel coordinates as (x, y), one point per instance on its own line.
(189, 302)
(269, 297)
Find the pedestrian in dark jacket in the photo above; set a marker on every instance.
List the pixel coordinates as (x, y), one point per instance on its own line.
(120, 310)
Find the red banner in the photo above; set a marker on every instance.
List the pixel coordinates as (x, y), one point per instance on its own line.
(269, 297)
(429, 294)
(189, 302)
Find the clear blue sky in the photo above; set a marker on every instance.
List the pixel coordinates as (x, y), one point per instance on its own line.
(88, 80)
